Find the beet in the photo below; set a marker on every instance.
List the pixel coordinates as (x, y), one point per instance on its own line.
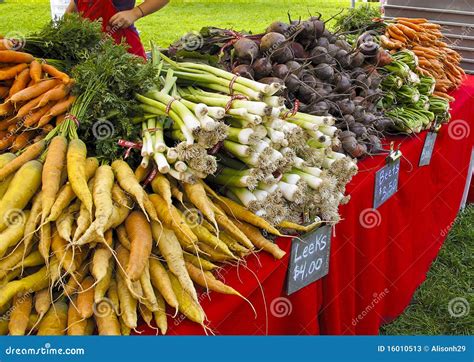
(322, 105)
(246, 49)
(318, 25)
(307, 43)
(282, 54)
(353, 148)
(369, 48)
(356, 59)
(358, 128)
(244, 70)
(359, 113)
(323, 42)
(293, 83)
(326, 33)
(363, 80)
(278, 27)
(298, 50)
(307, 94)
(271, 41)
(346, 106)
(310, 79)
(293, 66)
(365, 38)
(359, 151)
(382, 124)
(341, 43)
(368, 119)
(280, 71)
(306, 30)
(375, 145)
(341, 55)
(332, 49)
(346, 134)
(262, 68)
(319, 55)
(343, 83)
(324, 72)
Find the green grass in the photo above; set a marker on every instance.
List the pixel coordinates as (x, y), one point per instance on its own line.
(182, 16)
(451, 276)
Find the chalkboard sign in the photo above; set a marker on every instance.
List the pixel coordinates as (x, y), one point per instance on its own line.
(386, 182)
(309, 259)
(428, 147)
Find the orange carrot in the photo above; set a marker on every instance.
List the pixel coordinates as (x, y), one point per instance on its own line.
(413, 20)
(59, 108)
(34, 91)
(11, 56)
(57, 93)
(20, 83)
(47, 128)
(27, 107)
(4, 92)
(55, 73)
(7, 141)
(60, 119)
(30, 153)
(76, 325)
(141, 242)
(22, 140)
(35, 71)
(85, 298)
(34, 117)
(6, 108)
(11, 72)
(411, 25)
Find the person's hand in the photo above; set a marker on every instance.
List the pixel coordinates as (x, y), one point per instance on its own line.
(124, 19)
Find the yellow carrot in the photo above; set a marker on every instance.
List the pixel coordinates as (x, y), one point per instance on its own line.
(54, 322)
(20, 315)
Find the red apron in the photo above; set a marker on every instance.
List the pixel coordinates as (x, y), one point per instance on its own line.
(105, 9)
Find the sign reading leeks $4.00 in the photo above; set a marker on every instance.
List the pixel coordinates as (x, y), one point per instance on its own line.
(309, 260)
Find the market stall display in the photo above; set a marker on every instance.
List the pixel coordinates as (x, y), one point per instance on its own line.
(125, 185)
(436, 58)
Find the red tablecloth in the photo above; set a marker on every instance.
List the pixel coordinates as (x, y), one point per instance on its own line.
(378, 258)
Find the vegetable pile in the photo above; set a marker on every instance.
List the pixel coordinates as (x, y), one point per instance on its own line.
(409, 98)
(276, 162)
(86, 247)
(436, 59)
(36, 97)
(324, 74)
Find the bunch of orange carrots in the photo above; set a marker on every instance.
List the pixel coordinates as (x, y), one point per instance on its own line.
(436, 58)
(34, 96)
(85, 248)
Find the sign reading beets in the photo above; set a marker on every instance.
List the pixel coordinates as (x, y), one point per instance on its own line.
(386, 182)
